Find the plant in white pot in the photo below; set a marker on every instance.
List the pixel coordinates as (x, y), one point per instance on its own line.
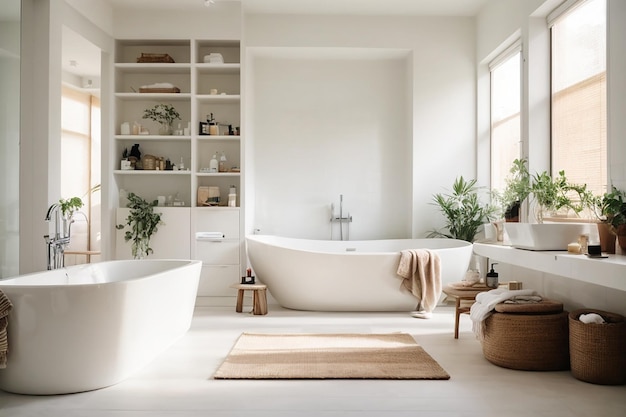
(165, 115)
(142, 222)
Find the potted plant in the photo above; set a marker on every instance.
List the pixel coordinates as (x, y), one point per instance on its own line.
(165, 115)
(517, 189)
(143, 222)
(554, 194)
(463, 210)
(612, 212)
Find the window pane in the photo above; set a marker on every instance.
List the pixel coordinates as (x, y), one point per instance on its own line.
(505, 118)
(579, 95)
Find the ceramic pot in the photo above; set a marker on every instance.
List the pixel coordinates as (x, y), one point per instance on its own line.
(607, 238)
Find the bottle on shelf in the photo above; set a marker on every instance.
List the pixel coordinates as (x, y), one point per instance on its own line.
(222, 163)
(232, 196)
(213, 164)
(213, 126)
(181, 166)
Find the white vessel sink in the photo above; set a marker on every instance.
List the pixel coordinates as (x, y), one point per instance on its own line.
(545, 236)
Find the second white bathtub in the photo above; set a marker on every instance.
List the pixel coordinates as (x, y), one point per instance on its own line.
(323, 275)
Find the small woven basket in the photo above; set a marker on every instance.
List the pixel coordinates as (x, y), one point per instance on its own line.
(598, 351)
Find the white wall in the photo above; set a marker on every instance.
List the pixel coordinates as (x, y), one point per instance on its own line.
(9, 146)
(424, 104)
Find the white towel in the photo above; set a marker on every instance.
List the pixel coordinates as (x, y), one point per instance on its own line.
(421, 273)
(591, 318)
(485, 303)
(209, 235)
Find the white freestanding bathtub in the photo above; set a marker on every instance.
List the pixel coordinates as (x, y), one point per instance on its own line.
(324, 275)
(90, 326)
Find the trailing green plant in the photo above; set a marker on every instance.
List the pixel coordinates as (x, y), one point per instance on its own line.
(463, 210)
(554, 194)
(69, 206)
(143, 222)
(164, 114)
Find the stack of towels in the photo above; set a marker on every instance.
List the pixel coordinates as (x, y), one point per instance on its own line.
(5, 308)
(486, 302)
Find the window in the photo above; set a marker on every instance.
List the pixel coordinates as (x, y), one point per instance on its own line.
(578, 99)
(80, 167)
(505, 73)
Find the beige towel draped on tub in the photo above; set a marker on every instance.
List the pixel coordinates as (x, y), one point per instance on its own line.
(5, 307)
(421, 270)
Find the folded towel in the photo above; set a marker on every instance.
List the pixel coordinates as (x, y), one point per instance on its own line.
(421, 273)
(5, 308)
(485, 303)
(159, 85)
(591, 318)
(524, 299)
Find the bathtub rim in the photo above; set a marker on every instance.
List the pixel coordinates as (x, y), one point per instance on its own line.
(13, 282)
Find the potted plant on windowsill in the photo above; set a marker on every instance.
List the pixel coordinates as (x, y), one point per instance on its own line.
(165, 115)
(612, 212)
(143, 223)
(517, 189)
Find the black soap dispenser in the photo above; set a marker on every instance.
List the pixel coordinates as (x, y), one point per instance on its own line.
(492, 277)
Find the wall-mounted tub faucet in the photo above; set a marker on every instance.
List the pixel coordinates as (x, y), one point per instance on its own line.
(341, 219)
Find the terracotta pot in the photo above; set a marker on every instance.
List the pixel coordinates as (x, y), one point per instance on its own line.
(607, 238)
(621, 237)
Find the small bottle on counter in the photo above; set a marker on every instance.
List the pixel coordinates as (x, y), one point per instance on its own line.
(492, 277)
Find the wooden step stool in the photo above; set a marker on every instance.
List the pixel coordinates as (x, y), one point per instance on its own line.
(259, 297)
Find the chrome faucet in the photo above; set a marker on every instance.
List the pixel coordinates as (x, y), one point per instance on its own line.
(341, 219)
(61, 238)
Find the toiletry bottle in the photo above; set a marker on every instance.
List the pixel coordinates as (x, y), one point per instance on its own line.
(181, 166)
(492, 277)
(213, 164)
(232, 196)
(222, 164)
(213, 126)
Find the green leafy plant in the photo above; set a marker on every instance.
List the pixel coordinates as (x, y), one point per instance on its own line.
(463, 210)
(517, 189)
(143, 222)
(164, 114)
(69, 206)
(554, 194)
(612, 207)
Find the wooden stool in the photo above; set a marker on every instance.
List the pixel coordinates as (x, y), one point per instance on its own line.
(259, 297)
(464, 297)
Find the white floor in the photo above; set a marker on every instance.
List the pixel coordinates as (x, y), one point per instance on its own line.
(180, 384)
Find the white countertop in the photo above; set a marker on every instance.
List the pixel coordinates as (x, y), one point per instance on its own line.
(608, 272)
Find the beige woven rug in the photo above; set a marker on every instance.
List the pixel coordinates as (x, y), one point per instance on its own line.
(320, 356)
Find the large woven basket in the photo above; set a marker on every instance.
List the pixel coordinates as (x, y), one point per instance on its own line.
(598, 351)
(529, 342)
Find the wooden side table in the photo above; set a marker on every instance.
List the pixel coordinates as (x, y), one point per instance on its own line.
(464, 298)
(259, 297)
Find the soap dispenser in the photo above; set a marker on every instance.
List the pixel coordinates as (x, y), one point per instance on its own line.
(492, 277)
(213, 164)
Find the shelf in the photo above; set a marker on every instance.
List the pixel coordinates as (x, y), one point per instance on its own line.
(218, 98)
(218, 174)
(218, 137)
(206, 68)
(156, 68)
(607, 272)
(165, 138)
(149, 172)
(153, 96)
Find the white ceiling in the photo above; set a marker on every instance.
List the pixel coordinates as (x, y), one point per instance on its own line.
(351, 7)
(87, 56)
